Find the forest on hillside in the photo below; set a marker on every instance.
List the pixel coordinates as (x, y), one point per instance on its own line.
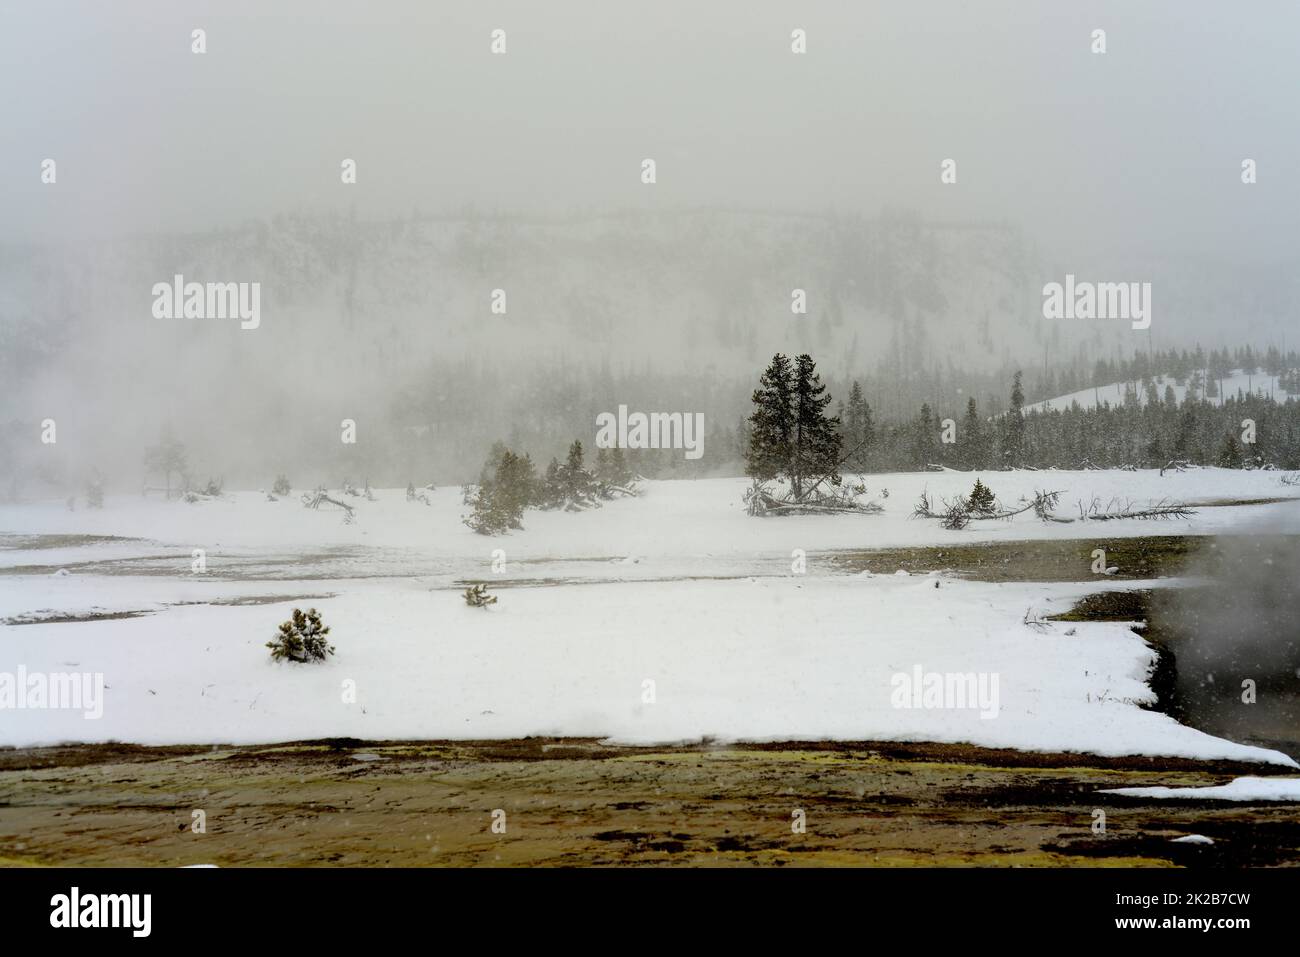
(440, 429)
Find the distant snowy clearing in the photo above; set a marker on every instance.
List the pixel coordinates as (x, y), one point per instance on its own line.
(1259, 384)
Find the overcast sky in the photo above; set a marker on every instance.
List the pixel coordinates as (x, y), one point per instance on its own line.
(1137, 150)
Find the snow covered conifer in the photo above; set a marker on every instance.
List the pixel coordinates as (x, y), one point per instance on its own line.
(619, 473)
(499, 501)
(476, 596)
(1013, 439)
(981, 500)
(552, 489)
(1230, 453)
(612, 474)
(817, 437)
(859, 429)
(578, 484)
(515, 484)
(772, 423)
(975, 454)
(790, 435)
(301, 639)
(923, 438)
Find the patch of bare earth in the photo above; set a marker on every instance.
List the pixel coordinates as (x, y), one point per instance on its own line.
(578, 802)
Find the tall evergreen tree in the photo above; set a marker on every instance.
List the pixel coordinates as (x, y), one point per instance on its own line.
(973, 437)
(771, 424)
(1230, 453)
(552, 490)
(859, 430)
(817, 439)
(499, 500)
(579, 487)
(1013, 441)
(619, 473)
(923, 438)
(790, 434)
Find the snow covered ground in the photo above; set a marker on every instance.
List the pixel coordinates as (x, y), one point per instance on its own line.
(1238, 789)
(726, 641)
(676, 523)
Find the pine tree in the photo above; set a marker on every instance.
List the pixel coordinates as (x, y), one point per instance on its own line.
(552, 494)
(772, 423)
(981, 500)
(1230, 453)
(923, 438)
(859, 429)
(1013, 441)
(1186, 445)
(476, 596)
(791, 437)
(577, 482)
(619, 473)
(499, 501)
(611, 471)
(515, 486)
(973, 437)
(1154, 451)
(301, 639)
(817, 439)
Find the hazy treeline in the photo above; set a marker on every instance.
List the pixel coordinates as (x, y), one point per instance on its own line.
(389, 323)
(1195, 431)
(440, 427)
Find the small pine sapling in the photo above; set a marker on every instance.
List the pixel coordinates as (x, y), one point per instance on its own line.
(301, 639)
(476, 596)
(981, 500)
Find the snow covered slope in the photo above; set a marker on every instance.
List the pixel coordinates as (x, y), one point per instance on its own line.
(1237, 383)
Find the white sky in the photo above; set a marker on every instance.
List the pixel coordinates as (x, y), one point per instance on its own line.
(1137, 150)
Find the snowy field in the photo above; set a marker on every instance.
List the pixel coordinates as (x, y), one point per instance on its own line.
(678, 597)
